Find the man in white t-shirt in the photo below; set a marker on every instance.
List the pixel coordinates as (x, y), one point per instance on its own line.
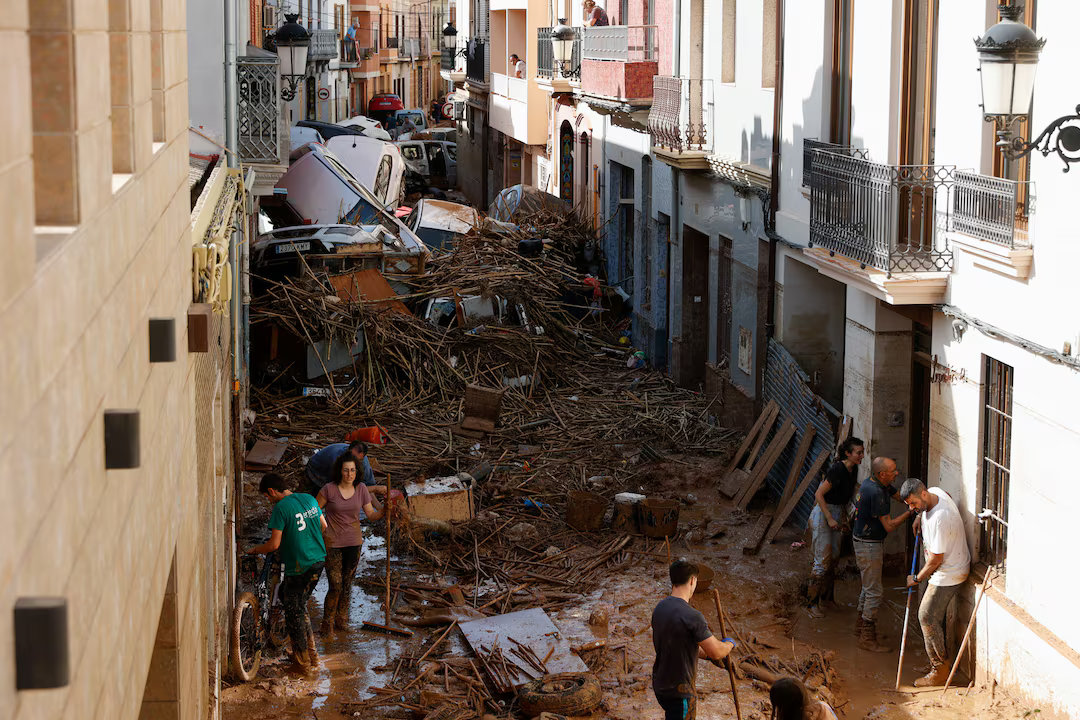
(947, 562)
(517, 65)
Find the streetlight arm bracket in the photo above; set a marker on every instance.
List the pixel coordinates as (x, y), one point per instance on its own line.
(1061, 136)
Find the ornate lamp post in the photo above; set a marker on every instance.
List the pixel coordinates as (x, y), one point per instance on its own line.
(292, 42)
(562, 47)
(1008, 59)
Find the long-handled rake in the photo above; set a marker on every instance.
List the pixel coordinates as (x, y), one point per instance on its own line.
(907, 613)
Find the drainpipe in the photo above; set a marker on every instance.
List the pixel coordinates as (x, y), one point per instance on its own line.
(230, 80)
(676, 199)
(777, 144)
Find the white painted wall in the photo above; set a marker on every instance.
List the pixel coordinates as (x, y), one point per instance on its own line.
(743, 116)
(206, 72)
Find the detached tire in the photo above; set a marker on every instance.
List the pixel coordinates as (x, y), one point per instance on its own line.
(564, 693)
(243, 657)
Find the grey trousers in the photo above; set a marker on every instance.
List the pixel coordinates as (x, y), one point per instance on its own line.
(935, 602)
(869, 556)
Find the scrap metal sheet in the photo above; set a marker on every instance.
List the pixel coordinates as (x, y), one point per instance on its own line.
(529, 627)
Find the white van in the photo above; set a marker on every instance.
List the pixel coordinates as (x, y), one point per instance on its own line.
(435, 160)
(378, 166)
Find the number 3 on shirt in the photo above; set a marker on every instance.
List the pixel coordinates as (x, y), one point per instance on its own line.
(300, 524)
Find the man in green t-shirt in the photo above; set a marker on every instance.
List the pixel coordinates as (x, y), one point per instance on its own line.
(296, 527)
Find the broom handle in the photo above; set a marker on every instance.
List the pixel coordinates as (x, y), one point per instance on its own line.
(907, 613)
(727, 660)
(389, 513)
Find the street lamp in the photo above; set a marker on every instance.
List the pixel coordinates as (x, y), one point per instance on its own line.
(1008, 57)
(562, 45)
(449, 38)
(292, 42)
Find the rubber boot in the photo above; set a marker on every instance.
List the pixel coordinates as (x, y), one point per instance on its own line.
(828, 590)
(859, 624)
(935, 678)
(327, 625)
(299, 656)
(312, 652)
(813, 594)
(341, 621)
(868, 638)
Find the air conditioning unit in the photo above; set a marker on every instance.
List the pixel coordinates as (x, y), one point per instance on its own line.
(268, 17)
(459, 111)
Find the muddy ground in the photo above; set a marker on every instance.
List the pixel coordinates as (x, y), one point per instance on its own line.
(760, 594)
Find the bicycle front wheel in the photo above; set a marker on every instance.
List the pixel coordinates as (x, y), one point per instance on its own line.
(244, 650)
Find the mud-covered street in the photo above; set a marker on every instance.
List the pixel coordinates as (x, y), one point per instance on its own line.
(761, 596)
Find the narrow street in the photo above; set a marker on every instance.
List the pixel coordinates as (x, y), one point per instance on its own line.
(760, 595)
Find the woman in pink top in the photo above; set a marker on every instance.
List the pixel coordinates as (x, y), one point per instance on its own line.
(342, 501)
(791, 701)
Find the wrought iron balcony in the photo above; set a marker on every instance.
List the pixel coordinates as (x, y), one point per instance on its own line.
(391, 43)
(889, 217)
(258, 117)
(545, 63)
(992, 209)
(681, 118)
(809, 146)
(622, 43)
(324, 45)
(476, 61)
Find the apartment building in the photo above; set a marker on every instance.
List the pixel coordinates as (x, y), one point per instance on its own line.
(923, 284)
(118, 375)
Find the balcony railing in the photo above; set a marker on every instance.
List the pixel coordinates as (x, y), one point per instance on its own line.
(809, 146)
(476, 62)
(992, 209)
(324, 45)
(510, 87)
(391, 43)
(889, 217)
(623, 43)
(545, 64)
(258, 116)
(682, 114)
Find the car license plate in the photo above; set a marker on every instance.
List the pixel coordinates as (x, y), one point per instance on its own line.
(292, 247)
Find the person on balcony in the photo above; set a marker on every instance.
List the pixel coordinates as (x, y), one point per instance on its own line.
(517, 65)
(350, 42)
(595, 16)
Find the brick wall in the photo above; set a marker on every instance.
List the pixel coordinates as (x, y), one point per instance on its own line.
(623, 80)
(74, 306)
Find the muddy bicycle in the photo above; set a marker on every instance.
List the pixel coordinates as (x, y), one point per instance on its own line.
(258, 618)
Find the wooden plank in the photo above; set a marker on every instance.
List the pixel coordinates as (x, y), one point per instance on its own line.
(796, 467)
(752, 459)
(750, 436)
(734, 482)
(843, 432)
(780, 517)
(757, 534)
(768, 459)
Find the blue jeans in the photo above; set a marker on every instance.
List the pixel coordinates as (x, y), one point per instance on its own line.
(869, 556)
(935, 601)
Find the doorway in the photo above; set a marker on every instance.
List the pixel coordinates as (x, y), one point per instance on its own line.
(694, 343)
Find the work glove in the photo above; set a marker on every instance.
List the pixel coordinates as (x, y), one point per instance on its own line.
(733, 643)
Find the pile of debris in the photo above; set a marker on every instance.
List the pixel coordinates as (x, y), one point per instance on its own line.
(573, 416)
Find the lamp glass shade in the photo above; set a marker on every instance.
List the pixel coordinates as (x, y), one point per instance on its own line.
(562, 42)
(1007, 85)
(292, 60)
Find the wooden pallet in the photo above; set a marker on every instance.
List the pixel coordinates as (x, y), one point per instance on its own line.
(734, 477)
(782, 515)
(763, 466)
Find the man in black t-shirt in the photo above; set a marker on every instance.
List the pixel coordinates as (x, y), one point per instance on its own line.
(872, 524)
(680, 637)
(830, 511)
